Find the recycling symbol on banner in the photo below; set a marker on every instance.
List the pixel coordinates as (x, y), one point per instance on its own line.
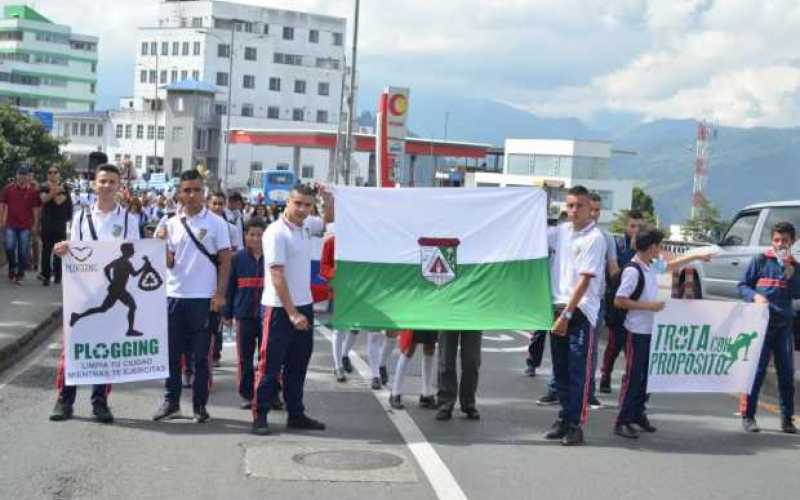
(150, 279)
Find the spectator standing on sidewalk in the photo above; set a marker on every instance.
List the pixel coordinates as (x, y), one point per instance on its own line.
(19, 214)
(56, 213)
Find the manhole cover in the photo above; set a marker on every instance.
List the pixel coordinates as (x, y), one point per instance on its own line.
(348, 460)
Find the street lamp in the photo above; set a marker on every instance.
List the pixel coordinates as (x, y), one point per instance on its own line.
(350, 102)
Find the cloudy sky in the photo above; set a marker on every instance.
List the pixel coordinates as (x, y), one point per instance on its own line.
(731, 60)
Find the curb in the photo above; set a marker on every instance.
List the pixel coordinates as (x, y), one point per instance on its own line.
(28, 342)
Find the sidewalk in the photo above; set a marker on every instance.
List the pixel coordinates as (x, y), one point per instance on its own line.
(28, 313)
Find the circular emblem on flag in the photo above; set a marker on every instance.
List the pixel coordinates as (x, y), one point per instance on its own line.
(398, 104)
(438, 259)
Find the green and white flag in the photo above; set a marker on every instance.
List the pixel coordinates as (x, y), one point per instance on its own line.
(441, 259)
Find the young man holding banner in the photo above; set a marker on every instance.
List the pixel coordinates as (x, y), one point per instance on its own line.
(772, 279)
(105, 220)
(198, 263)
(577, 263)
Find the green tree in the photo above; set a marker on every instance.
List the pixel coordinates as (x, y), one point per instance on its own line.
(640, 201)
(707, 221)
(23, 138)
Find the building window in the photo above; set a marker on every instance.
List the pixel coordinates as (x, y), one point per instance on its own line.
(201, 139)
(324, 88)
(223, 50)
(153, 48)
(91, 130)
(162, 78)
(143, 76)
(176, 48)
(256, 166)
(288, 33)
(119, 131)
(177, 166)
(184, 74)
(266, 29)
(160, 132)
(249, 82)
(197, 22)
(164, 48)
(177, 133)
(196, 48)
(128, 130)
(307, 172)
(250, 54)
(138, 162)
(247, 110)
(275, 84)
(313, 36)
(153, 76)
(100, 130)
(322, 116)
(83, 129)
(173, 76)
(220, 108)
(151, 132)
(140, 131)
(274, 112)
(299, 86)
(222, 79)
(145, 47)
(338, 39)
(297, 114)
(75, 128)
(195, 75)
(185, 49)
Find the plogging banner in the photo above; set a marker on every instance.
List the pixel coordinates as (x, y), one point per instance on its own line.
(706, 346)
(115, 312)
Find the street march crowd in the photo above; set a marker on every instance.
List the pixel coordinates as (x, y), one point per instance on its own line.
(249, 267)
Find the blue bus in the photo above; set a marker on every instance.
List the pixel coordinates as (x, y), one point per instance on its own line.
(277, 185)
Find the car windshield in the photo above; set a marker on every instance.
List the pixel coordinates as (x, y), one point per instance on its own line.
(278, 179)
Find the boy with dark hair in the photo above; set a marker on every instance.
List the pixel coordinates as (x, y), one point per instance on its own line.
(772, 279)
(637, 297)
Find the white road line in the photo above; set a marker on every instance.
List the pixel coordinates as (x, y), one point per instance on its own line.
(439, 476)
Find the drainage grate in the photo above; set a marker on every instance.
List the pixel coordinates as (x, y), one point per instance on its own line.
(348, 460)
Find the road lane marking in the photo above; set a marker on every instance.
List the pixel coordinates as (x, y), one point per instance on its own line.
(439, 476)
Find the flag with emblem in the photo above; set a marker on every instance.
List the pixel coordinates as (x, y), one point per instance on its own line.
(441, 259)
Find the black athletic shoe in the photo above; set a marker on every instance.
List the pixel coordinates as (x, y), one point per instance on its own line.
(384, 375)
(788, 426)
(305, 422)
(346, 364)
(594, 403)
(530, 368)
(471, 413)
(750, 425)
(201, 416)
(557, 431)
(548, 399)
(626, 431)
(61, 411)
(396, 402)
(246, 404)
(444, 414)
(260, 426)
(168, 409)
(376, 384)
(644, 424)
(339, 374)
(573, 437)
(605, 386)
(427, 402)
(102, 413)
(276, 403)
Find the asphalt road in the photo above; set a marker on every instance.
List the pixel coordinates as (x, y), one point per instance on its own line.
(370, 452)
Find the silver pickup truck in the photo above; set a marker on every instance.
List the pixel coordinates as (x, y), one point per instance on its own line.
(748, 235)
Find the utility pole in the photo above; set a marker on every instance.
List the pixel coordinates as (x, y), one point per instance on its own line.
(155, 115)
(351, 100)
(228, 119)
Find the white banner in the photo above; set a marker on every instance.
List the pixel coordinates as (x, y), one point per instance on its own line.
(115, 312)
(706, 346)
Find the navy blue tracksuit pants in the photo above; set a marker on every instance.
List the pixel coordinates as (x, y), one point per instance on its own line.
(283, 348)
(779, 342)
(188, 326)
(248, 337)
(633, 393)
(572, 358)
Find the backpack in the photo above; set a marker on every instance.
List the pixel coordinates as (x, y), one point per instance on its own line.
(615, 317)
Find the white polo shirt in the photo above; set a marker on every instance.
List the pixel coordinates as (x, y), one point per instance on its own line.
(640, 322)
(194, 276)
(289, 246)
(573, 254)
(236, 218)
(108, 225)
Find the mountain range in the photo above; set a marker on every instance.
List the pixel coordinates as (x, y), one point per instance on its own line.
(747, 165)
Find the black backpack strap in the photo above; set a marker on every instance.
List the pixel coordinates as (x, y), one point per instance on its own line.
(91, 226)
(80, 224)
(639, 290)
(125, 231)
(198, 244)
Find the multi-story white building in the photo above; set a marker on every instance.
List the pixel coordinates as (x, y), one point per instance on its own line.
(278, 69)
(45, 66)
(557, 165)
